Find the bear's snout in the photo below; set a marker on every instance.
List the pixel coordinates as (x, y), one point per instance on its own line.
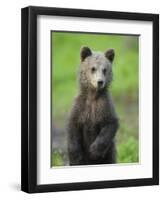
(100, 83)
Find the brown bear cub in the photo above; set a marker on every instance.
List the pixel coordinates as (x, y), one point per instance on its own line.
(93, 122)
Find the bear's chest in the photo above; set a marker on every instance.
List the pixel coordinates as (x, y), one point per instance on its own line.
(93, 112)
(92, 117)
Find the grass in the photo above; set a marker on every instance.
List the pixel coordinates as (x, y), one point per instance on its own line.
(65, 61)
(128, 151)
(57, 159)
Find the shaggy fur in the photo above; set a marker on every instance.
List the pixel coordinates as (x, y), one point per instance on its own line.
(93, 122)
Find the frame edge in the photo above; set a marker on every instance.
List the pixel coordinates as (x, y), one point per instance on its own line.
(24, 99)
(156, 99)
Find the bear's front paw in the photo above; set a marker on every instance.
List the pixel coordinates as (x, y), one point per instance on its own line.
(94, 153)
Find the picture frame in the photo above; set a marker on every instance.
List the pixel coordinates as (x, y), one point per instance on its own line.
(29, 98)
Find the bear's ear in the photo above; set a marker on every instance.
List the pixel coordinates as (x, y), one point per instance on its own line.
(110, 54)
(85, 52)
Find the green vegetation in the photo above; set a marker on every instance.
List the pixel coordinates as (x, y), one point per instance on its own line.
(128, 151)
(57, 159)
(65, 61)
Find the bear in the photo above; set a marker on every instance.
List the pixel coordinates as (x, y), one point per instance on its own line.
(93, 121)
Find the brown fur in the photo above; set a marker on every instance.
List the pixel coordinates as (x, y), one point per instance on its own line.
(93, 121)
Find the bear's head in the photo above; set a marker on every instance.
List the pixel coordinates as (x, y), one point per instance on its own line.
(95, 69)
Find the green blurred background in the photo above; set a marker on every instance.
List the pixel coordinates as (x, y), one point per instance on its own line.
(65, 49)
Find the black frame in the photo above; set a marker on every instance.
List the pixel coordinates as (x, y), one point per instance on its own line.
(29, 98)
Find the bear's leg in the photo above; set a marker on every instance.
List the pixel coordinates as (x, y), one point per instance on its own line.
(110, 157)
(75, 149)
(103, 141)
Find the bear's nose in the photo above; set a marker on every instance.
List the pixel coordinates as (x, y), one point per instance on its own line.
(100, 83)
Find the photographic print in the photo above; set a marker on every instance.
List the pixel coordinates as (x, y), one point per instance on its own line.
(90, 99)
(95, 97)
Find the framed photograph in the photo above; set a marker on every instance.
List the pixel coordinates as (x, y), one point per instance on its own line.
(90, 99)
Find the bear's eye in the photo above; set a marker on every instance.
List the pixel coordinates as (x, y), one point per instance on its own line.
(104, 71)
(93, 69)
